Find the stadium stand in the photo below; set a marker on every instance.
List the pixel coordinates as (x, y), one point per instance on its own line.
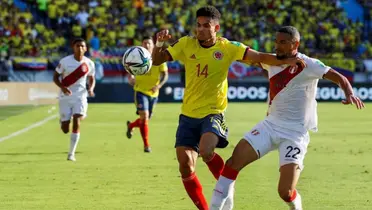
(43, 28)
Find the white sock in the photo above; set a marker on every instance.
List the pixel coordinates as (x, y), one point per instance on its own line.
(296, 204)
(74, 139)
(229, 203)
(223, 189)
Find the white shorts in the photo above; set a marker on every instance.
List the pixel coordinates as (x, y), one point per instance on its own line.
(69, 107)
(292, 145)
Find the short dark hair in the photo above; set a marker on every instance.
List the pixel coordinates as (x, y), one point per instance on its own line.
(209, 11)
(292, 31)
(147, 37)
(76, 40)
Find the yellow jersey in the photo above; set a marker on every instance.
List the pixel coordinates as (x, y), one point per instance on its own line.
(144, 83)
(206, 71)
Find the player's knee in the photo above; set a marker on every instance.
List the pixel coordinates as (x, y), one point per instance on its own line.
(285, 193)
(76, 124)
(206, 154)
(144, 115)
(186, 168)
(65, 128)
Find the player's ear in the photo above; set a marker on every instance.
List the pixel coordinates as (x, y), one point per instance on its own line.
(217, 27)
(297, 44)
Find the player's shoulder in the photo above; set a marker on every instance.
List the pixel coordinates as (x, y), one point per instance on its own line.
(87, 59)
(66, 59)
(310, 61)
(227, 42)
(184, 41)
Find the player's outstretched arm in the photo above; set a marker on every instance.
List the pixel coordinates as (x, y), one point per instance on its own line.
(345, 85)
(270, 59)
(160, 54)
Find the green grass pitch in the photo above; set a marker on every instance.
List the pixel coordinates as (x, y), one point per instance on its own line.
(112, 172)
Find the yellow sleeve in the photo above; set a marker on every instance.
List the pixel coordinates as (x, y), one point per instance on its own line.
(163, 67)
(176, 49)
(237, 50)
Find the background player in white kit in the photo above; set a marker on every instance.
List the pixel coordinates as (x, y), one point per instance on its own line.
(292, 113)
(71, 76)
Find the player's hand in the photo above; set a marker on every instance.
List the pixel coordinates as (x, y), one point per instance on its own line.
(352, 99)
(155, 88)
(295, 61)
(163, 36)
(131, 80)
(91, 93)
(66, 91)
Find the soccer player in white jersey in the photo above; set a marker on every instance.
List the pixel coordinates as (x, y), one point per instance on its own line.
(71, 76)
(292, 113)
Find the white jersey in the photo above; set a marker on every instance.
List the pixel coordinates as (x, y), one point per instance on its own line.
(74, 75)
(292, 94)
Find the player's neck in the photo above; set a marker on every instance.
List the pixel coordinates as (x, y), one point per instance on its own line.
(294, 54)
(78, 58)
(208, 43)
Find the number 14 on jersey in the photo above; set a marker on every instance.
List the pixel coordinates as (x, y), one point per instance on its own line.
(202, 71)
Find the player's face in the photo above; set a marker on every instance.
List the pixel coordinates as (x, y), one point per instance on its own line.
(80, 48)
(206, 28)
(148, 44)
(285, 45)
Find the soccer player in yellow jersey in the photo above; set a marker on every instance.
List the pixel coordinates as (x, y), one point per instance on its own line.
(201, 124)
(146, 93)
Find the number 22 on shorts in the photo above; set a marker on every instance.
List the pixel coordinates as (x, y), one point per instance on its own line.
(202, 71)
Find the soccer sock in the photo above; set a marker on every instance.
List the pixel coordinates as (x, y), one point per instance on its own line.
(145, 132)
(294, 202)
(215, 165)
(223, 189)
(135, 123)
(74, 139)
(195, 191)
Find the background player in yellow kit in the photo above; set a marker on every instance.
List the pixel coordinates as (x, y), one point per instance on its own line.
(146, 93)
(202, 126)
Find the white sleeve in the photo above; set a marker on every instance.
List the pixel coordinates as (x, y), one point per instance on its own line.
(59, 68)
(316, 68)
(92, 68)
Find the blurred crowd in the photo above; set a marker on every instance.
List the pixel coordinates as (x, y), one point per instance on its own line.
(44, 27)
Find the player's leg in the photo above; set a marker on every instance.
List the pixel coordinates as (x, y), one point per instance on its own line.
(292, 154)
(141, 103)
(144, 129)
(187, 139)
(65, 112)
(213, 134)
(79, 112)
(145, 115)
(289, 175)
(253, 146)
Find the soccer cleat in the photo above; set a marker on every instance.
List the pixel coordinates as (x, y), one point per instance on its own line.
(129, 131)
(71, 157)
(147, 149)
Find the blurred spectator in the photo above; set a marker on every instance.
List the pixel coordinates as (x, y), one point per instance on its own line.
(94, 42)
(4, 62)
(324, 26)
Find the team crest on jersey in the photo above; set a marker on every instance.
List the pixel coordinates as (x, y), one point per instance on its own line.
(218, 55)
(84, 68)
(293, 69)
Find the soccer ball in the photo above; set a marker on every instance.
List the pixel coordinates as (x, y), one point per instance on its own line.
(137, 60)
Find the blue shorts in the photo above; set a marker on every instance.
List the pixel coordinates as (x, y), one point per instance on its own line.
(144, 102)
(190, 130)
